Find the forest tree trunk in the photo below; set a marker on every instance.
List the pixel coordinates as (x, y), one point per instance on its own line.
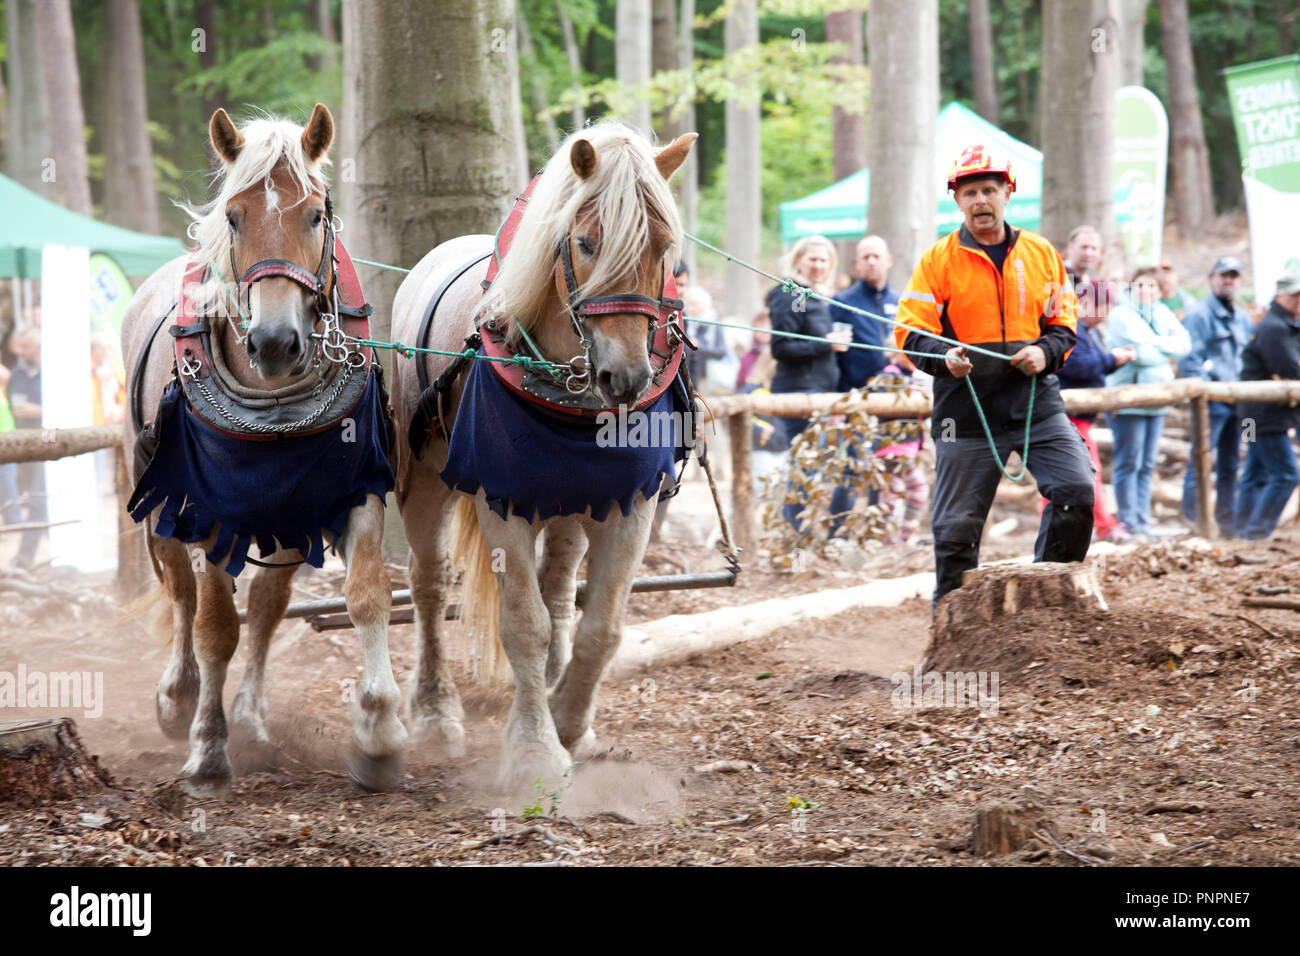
(1190, 160)
(903, 54)
(130, 199)
(743, 168)
(1081, 41)
(67, 121)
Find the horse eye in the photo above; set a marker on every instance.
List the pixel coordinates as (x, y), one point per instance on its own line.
(317, 220)
(586, 246)
(231, 220)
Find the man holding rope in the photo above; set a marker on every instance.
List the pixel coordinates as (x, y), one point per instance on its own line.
(1004, 292)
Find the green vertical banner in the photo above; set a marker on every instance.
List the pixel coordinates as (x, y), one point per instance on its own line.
(1138, 170)
(1265, 100)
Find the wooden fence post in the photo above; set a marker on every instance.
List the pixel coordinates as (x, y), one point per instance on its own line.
(1204, 472)
(740, 431)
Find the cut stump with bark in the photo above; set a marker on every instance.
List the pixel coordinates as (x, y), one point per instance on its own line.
(992, 596)
(44, 760)
(1002, 828)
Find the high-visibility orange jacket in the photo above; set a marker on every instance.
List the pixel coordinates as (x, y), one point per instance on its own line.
(958, 292)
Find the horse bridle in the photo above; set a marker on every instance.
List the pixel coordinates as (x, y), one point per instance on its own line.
(654, 309)
(322, 284)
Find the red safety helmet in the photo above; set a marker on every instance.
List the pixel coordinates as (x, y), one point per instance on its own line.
(978, 161)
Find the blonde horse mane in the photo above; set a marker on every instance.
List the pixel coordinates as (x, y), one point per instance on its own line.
(268, 142)
(628, 194)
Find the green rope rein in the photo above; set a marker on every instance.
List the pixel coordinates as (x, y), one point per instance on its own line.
(538, 363)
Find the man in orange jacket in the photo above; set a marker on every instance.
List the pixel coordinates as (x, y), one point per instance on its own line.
(1005, 290)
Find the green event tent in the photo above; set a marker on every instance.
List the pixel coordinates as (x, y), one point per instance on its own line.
(28, 223)
(840, 211)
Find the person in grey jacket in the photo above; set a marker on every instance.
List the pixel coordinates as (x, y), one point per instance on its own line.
(1219, 329)
(1271, 474)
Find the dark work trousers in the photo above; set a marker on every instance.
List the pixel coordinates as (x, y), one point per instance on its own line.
(966, 478)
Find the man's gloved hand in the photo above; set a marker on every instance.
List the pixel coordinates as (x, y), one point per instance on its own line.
(958, 365)
(1031, 360)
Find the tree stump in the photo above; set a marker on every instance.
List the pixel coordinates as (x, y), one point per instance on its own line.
(44, 760)
(991, 596)
(1002, 828)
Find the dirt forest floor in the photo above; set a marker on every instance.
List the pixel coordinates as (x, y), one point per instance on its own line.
(1165, 730)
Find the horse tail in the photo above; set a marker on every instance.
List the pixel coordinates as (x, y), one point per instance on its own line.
(480, 607)
(154, 606)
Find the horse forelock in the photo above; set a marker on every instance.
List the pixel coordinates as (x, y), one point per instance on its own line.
(270, 145)
(630, 200)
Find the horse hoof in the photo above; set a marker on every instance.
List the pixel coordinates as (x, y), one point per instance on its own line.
(444, 733)
(374, 774)
(250, 754)
(206, 788)
(525, 768)
(173, 719)
(586, 746)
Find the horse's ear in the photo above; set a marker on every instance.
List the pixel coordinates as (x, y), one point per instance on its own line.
(583, 157)
(319, 133)
(226, 140)
(670, 158)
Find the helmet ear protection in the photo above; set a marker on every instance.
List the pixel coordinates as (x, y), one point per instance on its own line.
(978, 162)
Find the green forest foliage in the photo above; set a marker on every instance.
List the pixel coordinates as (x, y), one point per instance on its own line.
(268, 56)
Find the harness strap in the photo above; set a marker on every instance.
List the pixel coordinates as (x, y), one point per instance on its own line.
(141, 361)
(428, 414)
(421, 337)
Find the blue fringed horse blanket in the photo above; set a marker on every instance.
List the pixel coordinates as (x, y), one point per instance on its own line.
(539, 465)
(287, 490)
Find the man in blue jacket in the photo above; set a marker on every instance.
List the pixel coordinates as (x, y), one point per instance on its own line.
(1270, 474)
(871, 291)
(1219, 330)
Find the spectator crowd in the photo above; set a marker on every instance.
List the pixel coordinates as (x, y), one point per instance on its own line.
(1145, 329)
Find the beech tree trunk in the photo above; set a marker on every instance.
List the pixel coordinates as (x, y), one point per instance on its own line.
(903, 54)
(536, 88)
(743, 168)
(632, 56)
(981, 61)
(431, 130)
(70, 169)
(130, 198)
(1080, 39)
(577, 113)
(1190, 160)
(663, 57)
(28, 134)
(848, 129)
(205, 20)
(689, 175)
(1132, 23)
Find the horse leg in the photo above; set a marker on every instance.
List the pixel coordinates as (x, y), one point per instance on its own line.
(268, 597)
(216, 635)
(617, 546)
(531, 749)
(435, 712)
(562, 553)
(378, 736)
(178, 688)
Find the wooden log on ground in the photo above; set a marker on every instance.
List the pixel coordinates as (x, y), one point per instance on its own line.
(676, 638)
(804, 404)
(44, 760)
(1286, 604)
(992, 596)
(1174, 449)
(48, 444)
